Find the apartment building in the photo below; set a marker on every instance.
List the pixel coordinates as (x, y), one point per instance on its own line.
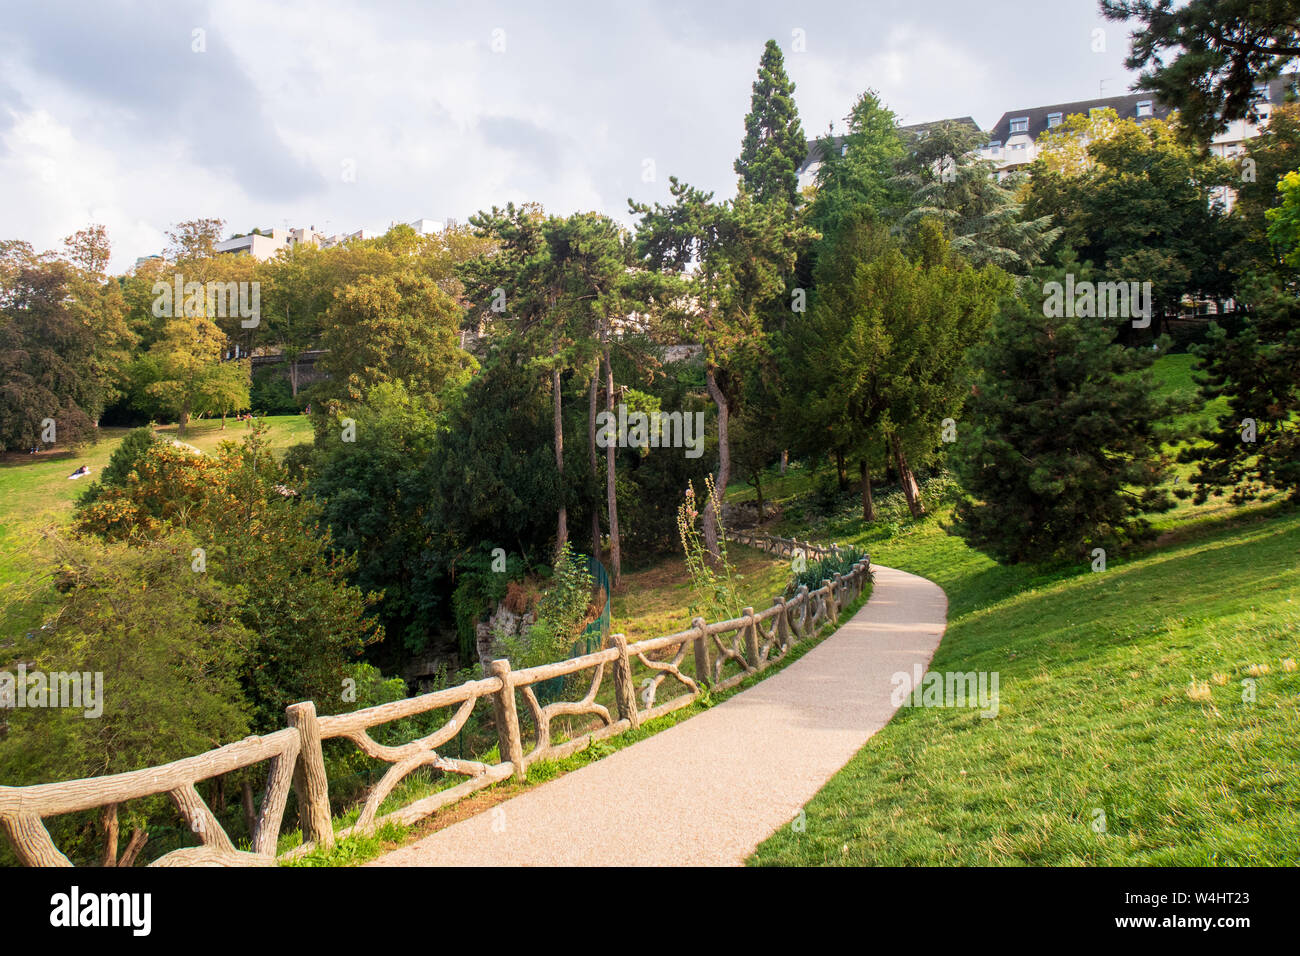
(263, 247)
(1012, 143)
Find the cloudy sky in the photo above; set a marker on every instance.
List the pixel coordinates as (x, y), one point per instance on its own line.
(344, 115)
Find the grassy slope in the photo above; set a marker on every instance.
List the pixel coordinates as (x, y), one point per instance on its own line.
(1097, 707)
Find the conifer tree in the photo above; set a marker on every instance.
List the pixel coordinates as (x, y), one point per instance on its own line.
(1252, 360)
(1059, 450)
(774, 146)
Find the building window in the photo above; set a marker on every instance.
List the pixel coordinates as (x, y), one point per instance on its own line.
(1020, 125)
(1261, 93)
(995, 144)
(1144, 108)
(1054, 119)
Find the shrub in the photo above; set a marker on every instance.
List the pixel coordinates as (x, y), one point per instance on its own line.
(825, 569)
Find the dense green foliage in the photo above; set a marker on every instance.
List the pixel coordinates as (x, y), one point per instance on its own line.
(1060, 450)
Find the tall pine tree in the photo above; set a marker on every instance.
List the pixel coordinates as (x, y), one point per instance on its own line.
(774, 144)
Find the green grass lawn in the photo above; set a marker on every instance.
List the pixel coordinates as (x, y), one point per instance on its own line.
(1125, 734)
(1121, 693)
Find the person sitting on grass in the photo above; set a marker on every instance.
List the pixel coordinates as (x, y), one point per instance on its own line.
(81, 472)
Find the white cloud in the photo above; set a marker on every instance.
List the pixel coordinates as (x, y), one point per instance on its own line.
(140, 132)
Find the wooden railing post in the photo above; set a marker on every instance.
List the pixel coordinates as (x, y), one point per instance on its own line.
(624, 690)
(309, 780)
(507, 717)
(31, 841)
(703, 672)
(832, 612)
(751, 638)
(279, 777)
(782, 624)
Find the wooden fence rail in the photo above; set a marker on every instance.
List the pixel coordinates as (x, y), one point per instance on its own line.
(725, 653)
(785, 547)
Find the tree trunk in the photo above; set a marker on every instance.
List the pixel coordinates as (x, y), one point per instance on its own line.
(868, 504)
(615, 557)
(133, 847)
(709, 526)
(595, 462)
(785, 459)
(758, 494)
(250, 811)
(293, 376)
(841, 472)
(911, 491)
(108, 822)
(562, 521)
(182, 421)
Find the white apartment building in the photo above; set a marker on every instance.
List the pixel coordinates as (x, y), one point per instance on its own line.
(1012, 143)
(262, 247)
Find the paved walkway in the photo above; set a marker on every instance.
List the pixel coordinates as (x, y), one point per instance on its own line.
(707, 791)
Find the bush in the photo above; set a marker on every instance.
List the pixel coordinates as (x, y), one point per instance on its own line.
(562, 614)
(126, 457)
(825, 569)
(271, 394)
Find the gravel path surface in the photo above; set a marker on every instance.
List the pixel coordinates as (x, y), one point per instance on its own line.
(707, 791)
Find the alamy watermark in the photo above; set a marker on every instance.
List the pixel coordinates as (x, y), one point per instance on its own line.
(953, 689)
(82, 690)
(653, 430)
(1100, 300)
(215, 299)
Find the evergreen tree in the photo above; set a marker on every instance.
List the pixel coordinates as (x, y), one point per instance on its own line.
(944, 179)
(1253, 360)
(718, 266)
(879, 359)
(1204, 57)
(858, 170)
(1059, 452)
(774, 146)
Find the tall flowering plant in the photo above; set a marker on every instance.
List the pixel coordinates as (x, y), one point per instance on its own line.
(714, 582)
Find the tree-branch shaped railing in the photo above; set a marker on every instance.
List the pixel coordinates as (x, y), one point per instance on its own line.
(747, 645)
(783, 547)
(23, 809)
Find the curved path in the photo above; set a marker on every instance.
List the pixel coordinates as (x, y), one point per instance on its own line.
(708, 790)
